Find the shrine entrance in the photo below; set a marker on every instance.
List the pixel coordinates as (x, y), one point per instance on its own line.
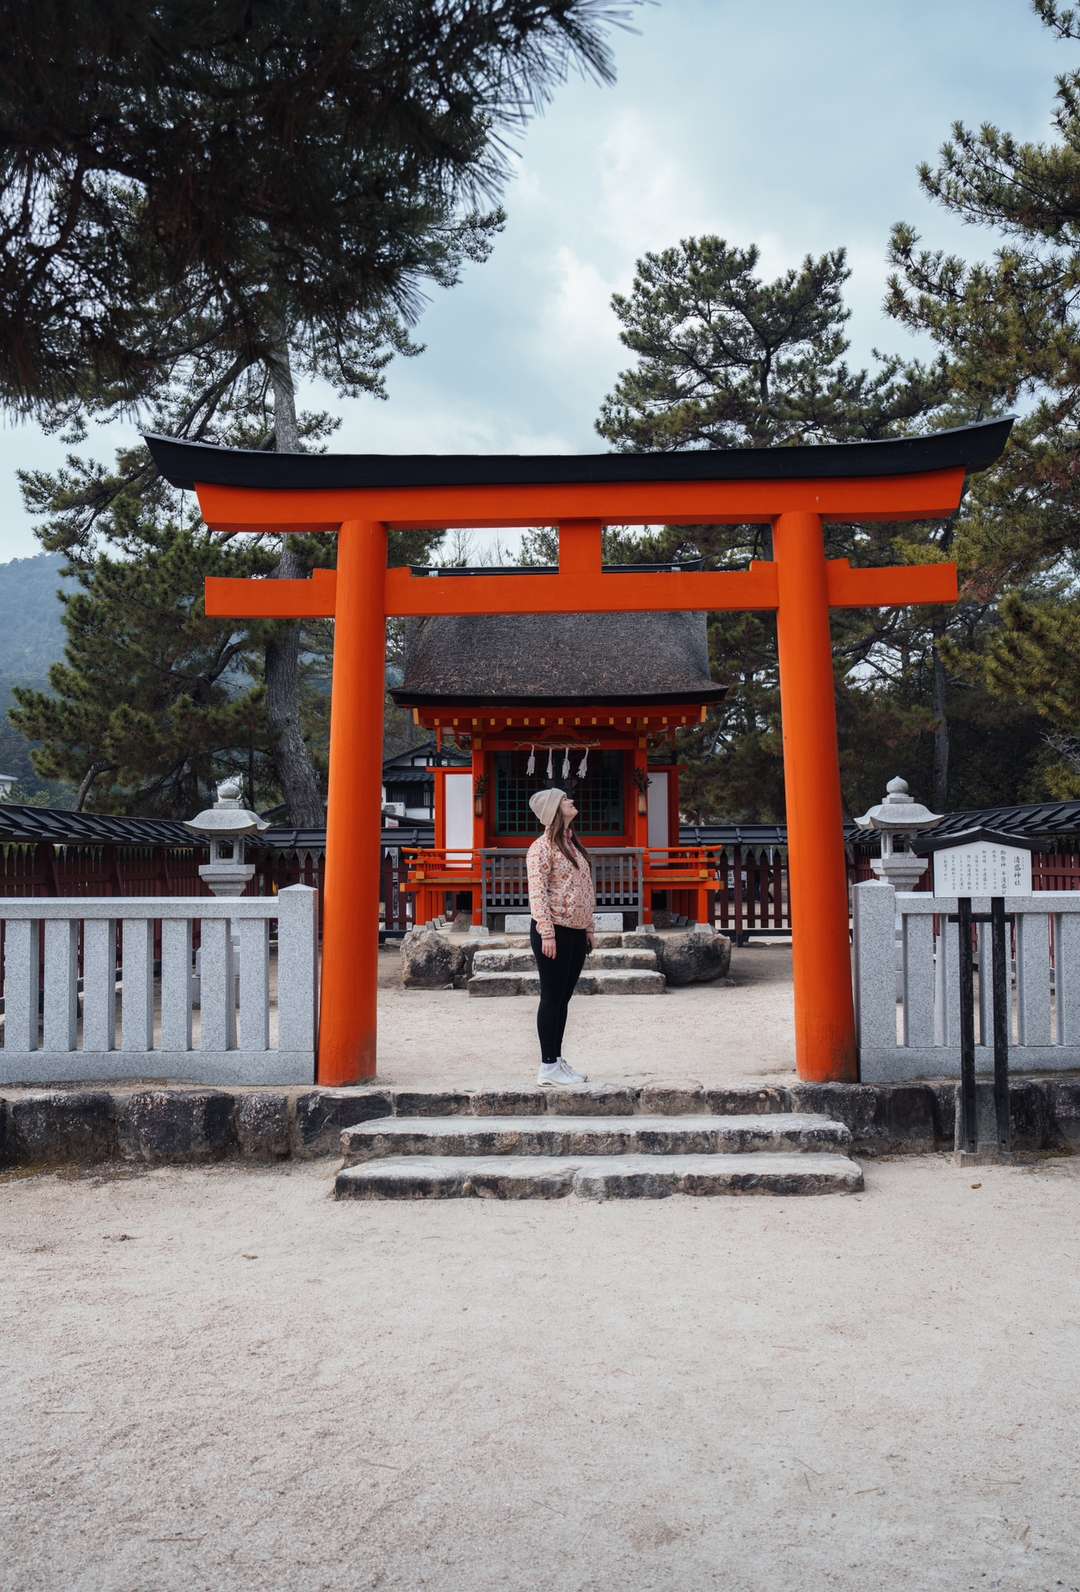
(795, 490)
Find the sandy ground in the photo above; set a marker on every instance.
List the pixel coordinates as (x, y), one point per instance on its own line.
(737, 1031)
(221, 1378)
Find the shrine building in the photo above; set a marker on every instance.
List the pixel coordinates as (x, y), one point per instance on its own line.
(593, 703)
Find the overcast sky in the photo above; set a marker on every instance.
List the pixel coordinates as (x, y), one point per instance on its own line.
(793, 125)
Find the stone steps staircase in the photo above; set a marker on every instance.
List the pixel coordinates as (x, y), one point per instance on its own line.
(612, 970)
(595, 1157)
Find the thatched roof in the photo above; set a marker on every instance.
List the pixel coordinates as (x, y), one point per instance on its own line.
(534, 658)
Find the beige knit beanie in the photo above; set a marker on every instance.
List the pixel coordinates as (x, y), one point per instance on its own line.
(545, 803)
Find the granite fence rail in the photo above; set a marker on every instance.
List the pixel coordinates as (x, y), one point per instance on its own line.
(110, 987)
(907, 989)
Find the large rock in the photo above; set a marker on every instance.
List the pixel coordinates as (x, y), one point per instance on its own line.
(262, 1126)
(427, 960)
(697, 957)
(432, 960)
(76, 1125)
(164, 1125)
(322, 1113)
(1064, 1095)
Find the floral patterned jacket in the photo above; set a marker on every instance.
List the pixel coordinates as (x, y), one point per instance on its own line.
(558, 892)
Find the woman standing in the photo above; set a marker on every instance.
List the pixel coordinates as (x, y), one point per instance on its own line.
(562, 902)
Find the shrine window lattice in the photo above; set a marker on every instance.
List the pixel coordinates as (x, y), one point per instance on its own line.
(599, 796)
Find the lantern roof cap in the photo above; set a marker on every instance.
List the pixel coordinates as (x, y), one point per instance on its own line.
(899, 811)
(226, 817)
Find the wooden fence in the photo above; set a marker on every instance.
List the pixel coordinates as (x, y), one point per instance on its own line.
(752, 895)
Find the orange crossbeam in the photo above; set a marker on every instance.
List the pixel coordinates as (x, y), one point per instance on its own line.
(893, 586)
(898, 497)
(315, 598)
(574, 590)
(578, 593)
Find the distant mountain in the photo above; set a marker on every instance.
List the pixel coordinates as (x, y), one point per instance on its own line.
(32, 638)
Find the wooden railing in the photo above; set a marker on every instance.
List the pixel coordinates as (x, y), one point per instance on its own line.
(625, 877)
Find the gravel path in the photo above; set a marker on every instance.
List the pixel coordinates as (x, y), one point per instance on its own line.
(733, 1032)
(220, 1378)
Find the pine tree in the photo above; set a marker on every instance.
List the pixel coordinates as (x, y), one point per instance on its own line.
(153, 701)
(199, 205)
(1010, 330)
(725, 359)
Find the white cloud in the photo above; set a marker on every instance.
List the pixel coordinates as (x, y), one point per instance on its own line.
(651, 195)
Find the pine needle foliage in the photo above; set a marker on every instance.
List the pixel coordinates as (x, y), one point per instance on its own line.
(727, 359)
(1009, 327)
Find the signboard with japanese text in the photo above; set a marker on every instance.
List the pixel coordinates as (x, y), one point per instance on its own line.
(982, 868)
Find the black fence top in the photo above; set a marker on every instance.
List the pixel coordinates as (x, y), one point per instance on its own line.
(1038, 820)
(62, 828)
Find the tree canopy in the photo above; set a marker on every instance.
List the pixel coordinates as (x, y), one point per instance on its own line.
(185, 180)
(725, 358)
(201, 204)
(1009, 328)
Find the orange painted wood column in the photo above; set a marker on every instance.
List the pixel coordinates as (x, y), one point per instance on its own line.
(348, 1022)
(821, 957)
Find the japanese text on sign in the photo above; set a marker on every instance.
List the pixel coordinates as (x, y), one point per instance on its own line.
(982, 868)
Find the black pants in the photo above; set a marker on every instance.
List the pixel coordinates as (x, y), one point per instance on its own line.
(558, 976)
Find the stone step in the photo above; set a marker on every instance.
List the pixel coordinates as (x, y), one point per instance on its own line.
(523, 961)
(597, 1176)
(591, 1135)
(612, 981)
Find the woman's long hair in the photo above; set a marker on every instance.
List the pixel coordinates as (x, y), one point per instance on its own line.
(567, 841)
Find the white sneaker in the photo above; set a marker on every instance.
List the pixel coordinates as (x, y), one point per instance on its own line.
(569, 1074)
(558, 1075)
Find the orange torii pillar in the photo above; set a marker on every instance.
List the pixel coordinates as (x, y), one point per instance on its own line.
(349, 999)
(817, 863)
(793, 489)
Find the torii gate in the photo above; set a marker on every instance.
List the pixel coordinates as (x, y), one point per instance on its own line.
(794, 489)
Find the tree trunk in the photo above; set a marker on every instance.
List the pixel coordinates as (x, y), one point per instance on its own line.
(941, 731)
(292, 760)
(87, 783)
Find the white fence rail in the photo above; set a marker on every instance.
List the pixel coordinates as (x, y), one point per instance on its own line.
(130, 1022)
(907, 990)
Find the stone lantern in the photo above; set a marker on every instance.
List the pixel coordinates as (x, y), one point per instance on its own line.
(226, 825)
(897, 819)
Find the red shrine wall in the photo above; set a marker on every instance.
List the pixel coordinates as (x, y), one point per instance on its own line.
(633, 752)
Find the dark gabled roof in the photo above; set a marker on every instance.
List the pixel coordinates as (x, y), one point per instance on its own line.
(1031, 818)
(416, 776)
(1039, 819)
(87, 829)
(535, 659)
(411, 833)
(926, 845)
(396, 765)
(186, 463)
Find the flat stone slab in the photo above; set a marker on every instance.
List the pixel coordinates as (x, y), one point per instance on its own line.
(523, 961)
(612, 981)
(597, 1177)
(518, 922)
(591, 1135)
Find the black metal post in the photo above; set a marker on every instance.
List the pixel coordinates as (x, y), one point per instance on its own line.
(1002, 984)
(968, 1130)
